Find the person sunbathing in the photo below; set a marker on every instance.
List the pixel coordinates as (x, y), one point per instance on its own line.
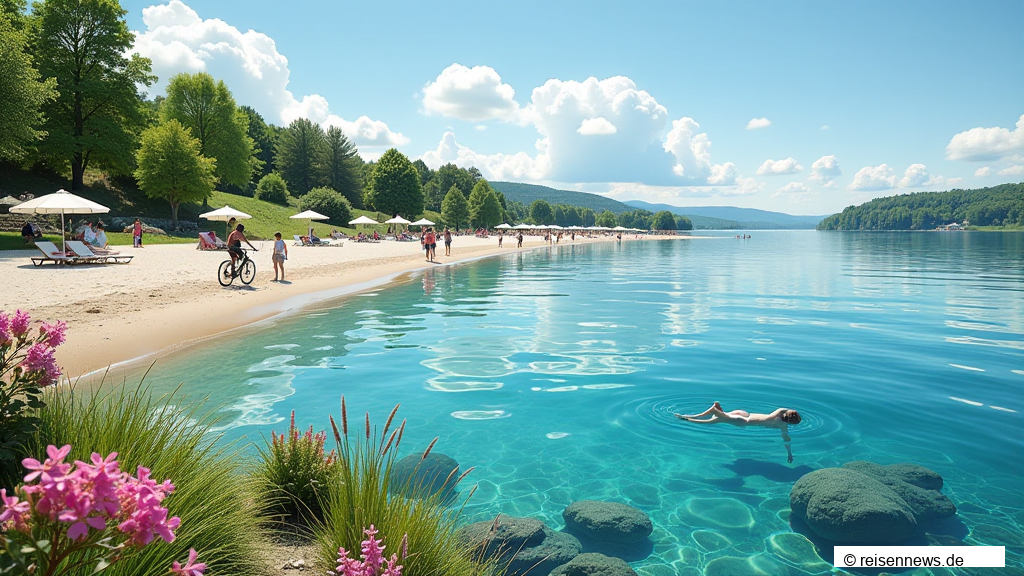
(780, 418)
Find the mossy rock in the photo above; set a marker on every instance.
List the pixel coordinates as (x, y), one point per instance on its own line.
(844, 505)
(415, 476)
(607, 521)
(592, 564)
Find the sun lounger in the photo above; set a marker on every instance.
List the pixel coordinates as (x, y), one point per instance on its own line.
(85, 254)
(51, 254)
(209, 241)
(305, 241)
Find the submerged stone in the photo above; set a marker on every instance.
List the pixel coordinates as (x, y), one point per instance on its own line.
(710, 541)
(607, 521)
(798, 550)
(592, 564)
(722, 512)
(416, 476)
(522, 545)
(846, 506)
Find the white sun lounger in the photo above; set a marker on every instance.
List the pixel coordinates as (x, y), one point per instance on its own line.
(51, 254)
(86, 255)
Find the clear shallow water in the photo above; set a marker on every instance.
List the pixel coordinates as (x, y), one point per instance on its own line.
(556, 374)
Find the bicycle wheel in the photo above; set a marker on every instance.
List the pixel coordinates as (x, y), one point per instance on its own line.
(224, 273)
(248, 272)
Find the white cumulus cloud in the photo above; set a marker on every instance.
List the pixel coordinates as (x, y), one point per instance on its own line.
(1012, 171)
(985, 171)
(600, 131)
(596, 127)
(917, 176)
(795, 191)
(825, 169)
(777, 167)
(756, 123)
(979, 144)
(873, 178)
(472, 94)
(178, 40)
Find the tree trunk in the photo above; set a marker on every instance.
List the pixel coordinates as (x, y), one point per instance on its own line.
(77, 172)
(174, 214)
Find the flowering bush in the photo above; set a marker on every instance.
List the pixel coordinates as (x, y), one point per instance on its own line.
(67, 516)
(373, 558)
(27, 366)
(295, 471)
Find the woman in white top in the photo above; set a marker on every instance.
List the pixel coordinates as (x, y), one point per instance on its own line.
(280, 255)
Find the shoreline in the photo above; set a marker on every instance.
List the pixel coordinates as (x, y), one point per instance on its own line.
(113, 325)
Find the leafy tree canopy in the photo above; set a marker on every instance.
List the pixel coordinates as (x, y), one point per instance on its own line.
(663, 220)
(22, 94)
(263, 137)
(394, 186)
(206, 107)
(300, 155)
(330, 203)
(540, 212)
(454, 209)
(170, 166)
(272, 188)
(442, 181)
(484, 209)
(98, 114)
(341, 168)
(607, 218)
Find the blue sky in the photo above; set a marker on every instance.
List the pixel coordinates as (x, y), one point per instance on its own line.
(793, 106)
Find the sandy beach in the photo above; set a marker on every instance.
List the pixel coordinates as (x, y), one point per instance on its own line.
(168, 295)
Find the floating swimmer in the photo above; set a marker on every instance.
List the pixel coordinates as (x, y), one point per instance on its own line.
(780, 419)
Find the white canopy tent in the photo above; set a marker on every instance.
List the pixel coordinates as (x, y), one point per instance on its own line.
(363, 220)
(225, 214)
(397, 220)
(310, 215)
(422, 222)
(60, 202)
(503, 226)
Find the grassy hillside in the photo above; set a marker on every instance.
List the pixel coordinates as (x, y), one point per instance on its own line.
(527, 193)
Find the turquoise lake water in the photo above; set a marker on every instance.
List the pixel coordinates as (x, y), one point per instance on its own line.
(556, 373)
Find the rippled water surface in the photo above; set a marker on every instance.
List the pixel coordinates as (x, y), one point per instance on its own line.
(556, 373)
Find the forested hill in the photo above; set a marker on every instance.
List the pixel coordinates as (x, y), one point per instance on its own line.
(745, 218)
(1001, 205)
(527, 193)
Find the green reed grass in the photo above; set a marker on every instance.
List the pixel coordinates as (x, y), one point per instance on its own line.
(292, 474)
(363, 495)
(213, 497)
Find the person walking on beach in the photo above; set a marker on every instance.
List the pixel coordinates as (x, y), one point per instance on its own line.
(137, 233)
(520, 238)
(430, 244)
(780, 419)
(501, 236)
(447, 242)
(280, 255)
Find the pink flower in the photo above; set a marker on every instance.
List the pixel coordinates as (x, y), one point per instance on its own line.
(20, 323)
(14, 514)
(55, 461)
(54, 333)
(348, 566)
(39, 358)
(372, 552)
(5, 329)
(191, 568)
(393, 568)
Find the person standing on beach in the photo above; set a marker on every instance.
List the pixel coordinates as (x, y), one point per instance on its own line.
(447, 242)
(280, 255)
(501, 236)
(137, 234)
(430, 244)
(779, 419)
(520, 238)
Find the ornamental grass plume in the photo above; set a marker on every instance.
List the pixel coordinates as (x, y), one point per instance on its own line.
(293, 472)
(68, 516)
(363, 494)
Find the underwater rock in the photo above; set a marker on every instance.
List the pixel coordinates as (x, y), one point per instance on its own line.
(415, 476)
(607, 521)
(592, 564)
(524, 545)
(868, 502)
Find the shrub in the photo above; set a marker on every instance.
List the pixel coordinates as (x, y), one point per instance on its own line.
(214, 500)
(362, 496)
(272, 188)
(27, 365)
(293, 473)
(329, 203)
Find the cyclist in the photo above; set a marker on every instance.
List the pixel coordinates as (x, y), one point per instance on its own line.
(235, 240)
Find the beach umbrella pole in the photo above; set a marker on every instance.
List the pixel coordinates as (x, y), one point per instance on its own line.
(63, 235)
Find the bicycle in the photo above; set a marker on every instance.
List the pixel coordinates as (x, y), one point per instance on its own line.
(245, 270)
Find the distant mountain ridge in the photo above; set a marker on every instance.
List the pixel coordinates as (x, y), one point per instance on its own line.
(527, 193)
(750, 218)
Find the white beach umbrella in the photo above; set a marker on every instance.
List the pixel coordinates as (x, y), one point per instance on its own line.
(423, 222)
(397, 220)
(310, 215)
(503, 227)
(363, 220)
(620, 229)
(225, 214)
(60, 202)
(555, 227)
(522, 227)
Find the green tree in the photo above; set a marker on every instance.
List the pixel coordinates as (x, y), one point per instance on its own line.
(540, 212)
(683, 223)
(263, 138)
(454, 208)
(22, 94)
(441, 182)
(341, 168)
(330, 203)
(272, 188)
(424, 171)
(607, 218)
(171, 168)
(589, 218)
(663, 220)
(97, 117)
(394, 186)
(484, 209)
(300, 154)
(15, 9)
(206, 107)
(558, 214)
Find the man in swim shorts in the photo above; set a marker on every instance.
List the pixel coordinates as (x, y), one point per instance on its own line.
(780, 419)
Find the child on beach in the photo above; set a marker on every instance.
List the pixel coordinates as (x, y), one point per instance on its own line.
(280, 255)
(137, 234)
(780, 419)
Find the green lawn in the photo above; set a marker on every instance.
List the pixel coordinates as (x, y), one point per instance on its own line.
(12, 240)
